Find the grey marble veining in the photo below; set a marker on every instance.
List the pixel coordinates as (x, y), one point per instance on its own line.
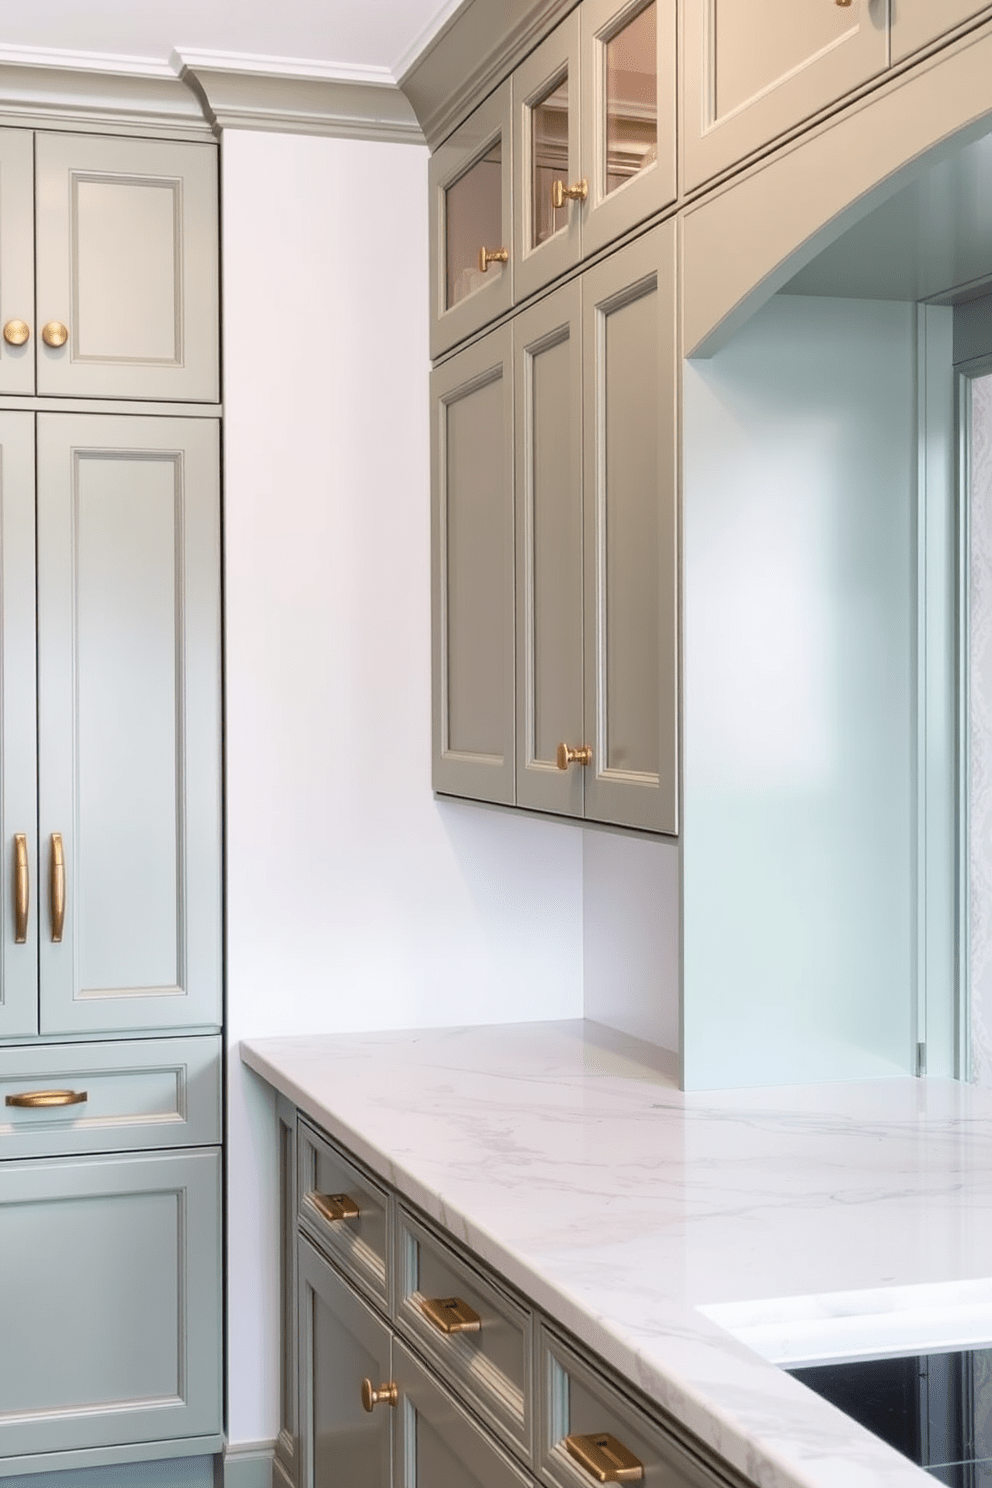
(564, 1156)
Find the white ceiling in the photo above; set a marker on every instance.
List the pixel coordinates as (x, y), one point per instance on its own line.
(344, 36)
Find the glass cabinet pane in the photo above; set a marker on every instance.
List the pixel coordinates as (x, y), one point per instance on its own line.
(632, 98)
(549, 160)
(473, 221)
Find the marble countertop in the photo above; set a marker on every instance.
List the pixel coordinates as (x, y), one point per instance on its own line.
(688, 1239)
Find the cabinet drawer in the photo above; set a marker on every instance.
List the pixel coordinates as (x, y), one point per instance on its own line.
(486, 1355)
(140, 1094)
(578, 1404)
(345, 1212)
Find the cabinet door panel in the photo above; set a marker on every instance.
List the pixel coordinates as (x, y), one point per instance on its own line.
(112, 1332)
(17, 256)
(755, 71)
(631, 609)
(126, 234)
(129, 731)
(472, 540)
(546, 104)
(917, 22)
(18, 750)
(548, 390)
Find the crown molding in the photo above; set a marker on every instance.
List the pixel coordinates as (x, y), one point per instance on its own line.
(286, 95)
(88, 90)
(472, 52)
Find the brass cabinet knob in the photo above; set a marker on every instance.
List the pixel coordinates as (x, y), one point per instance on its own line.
(844, 3)
(386, 1394)
(560, 193)
(16, 332)
(492, 255)
(55, 333)
(568, 756)
(605, 1459)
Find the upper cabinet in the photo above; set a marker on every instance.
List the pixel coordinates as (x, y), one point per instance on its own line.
(915, 23)
(105, 290)
(752, 73)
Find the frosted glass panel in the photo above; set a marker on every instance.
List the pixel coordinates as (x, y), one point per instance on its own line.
(632, 98)
(125, 291)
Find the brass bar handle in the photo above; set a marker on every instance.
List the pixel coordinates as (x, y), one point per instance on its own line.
(492, 255)
(560, 193)
(373, 1395)
(35, 1100)
(58, 887)
(22, 888)
(605, 1459)
(451, 1314)
(54, 333)
(566, 755)
(335, 1207)
(16, 332)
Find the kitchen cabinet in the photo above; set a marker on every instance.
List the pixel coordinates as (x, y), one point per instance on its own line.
(108, 267)
(751, 74)
(915, 23)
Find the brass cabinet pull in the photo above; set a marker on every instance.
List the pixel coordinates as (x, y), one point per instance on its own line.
(372, 1396)
(55, 333)
(335, 1206)
(492, 255)
(22, 888)
(451, 1314)
(58, 887)
(605, 1459)
(16, 332)
(560, 193)
(566, 755)
(41, 1099)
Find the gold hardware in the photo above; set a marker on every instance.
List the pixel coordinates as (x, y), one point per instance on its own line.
(605, 1459)
(386, 1394)
(451, 1314)
(560, 193)
(35, 1099)
(335, 1206)
(844, 3)
(55, 333)
(22, 888)
(58, 887)
(16, 332)
(566, 755)
(492, 255)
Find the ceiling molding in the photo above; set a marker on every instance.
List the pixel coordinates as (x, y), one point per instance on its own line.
(63, 59)
(423, 40)
(472, 52)
(84, 90)
(283, 95)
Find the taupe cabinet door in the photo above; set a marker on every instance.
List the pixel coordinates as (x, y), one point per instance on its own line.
(753, 72)
(109, 1316)
(129, 722)
(917, 22)
(472, 571)
(18, 752)
(17, 259)
(341, 1343)
(127, 262)
(548, 239)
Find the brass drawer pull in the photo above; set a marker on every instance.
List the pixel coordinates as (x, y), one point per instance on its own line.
(386, 1394)
(334, 1207)
(58, 887)
(560, 193)
(42, 1099)
(605, 1459)
(22, 888)
(451, 1314)
(492, 255)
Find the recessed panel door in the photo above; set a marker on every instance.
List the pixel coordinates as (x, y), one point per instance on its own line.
(129, 723)
(18, 753)
(17, 261)
(127, 298)
(917, 22)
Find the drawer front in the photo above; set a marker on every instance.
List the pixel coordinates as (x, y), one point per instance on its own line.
(606, 1429)
(437, 1445)
(345, 1212)
(60, 1099)
(486, 1354)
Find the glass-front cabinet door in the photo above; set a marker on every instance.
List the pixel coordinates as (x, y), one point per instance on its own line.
(470, 196)
(550, 190)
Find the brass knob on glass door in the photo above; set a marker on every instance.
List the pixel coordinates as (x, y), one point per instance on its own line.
(844, 3)
(492, 255)
(55, 333)
(386, 1394)
(568, 756)
(16, 332)
(560, 193)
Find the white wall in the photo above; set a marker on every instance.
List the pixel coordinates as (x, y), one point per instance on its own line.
(354, 898)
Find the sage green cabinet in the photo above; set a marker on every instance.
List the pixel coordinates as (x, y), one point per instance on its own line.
(915, 23)
(17, 260)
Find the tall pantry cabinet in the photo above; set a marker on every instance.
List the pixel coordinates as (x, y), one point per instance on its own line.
(110, 801)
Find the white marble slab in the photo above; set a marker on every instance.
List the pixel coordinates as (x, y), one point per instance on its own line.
(563, 1155)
